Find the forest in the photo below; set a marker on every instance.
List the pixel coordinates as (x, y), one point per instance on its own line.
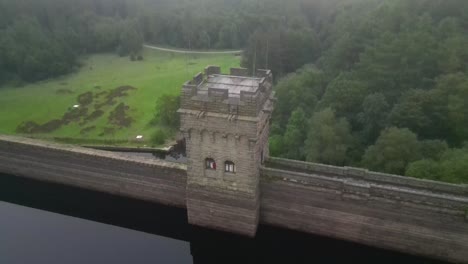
(387, 90)
(41, 39)
(381, 84)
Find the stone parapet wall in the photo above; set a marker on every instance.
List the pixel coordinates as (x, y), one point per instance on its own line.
(147, 179)
(218, 100)
(388, 211)
(376, 222)
(434, 196)
(369, 176)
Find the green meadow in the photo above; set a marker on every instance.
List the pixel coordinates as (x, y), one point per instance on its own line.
(108, 100)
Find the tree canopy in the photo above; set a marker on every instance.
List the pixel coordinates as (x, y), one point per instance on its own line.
(387, 91)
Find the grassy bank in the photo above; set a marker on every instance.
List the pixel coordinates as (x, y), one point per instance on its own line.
(116, 97)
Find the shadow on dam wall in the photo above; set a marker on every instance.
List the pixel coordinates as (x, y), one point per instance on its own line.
(271, 245)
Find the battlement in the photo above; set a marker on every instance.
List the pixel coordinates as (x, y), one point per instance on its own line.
(236, 93)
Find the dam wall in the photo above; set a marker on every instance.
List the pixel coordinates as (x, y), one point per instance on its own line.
(414, 216)
(398, 213)
(147, 179)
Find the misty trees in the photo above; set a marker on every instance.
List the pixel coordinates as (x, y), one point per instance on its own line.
(295, 135)
(393, 151)
(80, 27)
(130, 39)
(105, 33)
(453, 89)
(42, 39)
(452, 166)
(300, 89)
(30, 53)
(283, 49)
(373, 116)
(345, 95)
(328, 138)
(396, 72)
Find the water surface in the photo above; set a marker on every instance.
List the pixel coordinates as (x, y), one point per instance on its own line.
(35, 236)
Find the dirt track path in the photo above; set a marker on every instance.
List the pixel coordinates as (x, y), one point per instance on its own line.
(192, 51)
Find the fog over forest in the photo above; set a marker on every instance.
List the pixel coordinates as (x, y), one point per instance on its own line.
(380, 84)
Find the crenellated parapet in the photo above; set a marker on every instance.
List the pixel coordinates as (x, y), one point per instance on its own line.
(236, 93)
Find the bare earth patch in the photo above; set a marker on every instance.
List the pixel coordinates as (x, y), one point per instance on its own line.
(119, 117)
(87, 130)
(119, 92)
(94, 115)
(74, 115)
(33, 127)
(85, 98)
(114, 94)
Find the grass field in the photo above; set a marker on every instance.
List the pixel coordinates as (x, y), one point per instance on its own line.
(105, 81)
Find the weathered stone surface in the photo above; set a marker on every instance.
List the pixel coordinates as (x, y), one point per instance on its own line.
(414, 216)
(420, 217)
(228, 126)
(141, 178)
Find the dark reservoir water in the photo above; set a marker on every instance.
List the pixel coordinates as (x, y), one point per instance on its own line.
(54, 224)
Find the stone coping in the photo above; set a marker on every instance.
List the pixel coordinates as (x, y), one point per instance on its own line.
(90, 152)
(363, 175)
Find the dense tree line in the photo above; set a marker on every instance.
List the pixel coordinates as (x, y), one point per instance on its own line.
(389, 90)
(44, 38)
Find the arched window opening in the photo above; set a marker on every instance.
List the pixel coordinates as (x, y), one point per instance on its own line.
(229, 166)
(210, 164)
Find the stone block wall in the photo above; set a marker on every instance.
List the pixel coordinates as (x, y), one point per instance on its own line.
(369, 176)
(213, 130)
(146, 179)
(408, 215)
(209, 70)
(215, 198)
(388, 211)
(222, 209)
(239, 72)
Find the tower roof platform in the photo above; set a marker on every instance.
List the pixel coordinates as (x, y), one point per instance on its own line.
(233, 84)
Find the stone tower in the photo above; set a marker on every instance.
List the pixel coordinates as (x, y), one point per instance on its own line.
(225, 122)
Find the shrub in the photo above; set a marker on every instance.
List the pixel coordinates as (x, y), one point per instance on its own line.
(158, 137)
(166, 111)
